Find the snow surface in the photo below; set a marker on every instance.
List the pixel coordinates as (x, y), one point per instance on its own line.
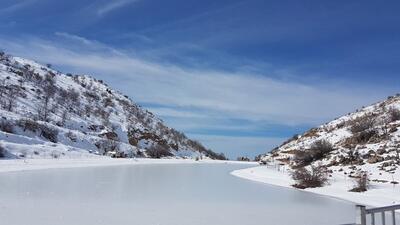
(176, 194)
(379, 194)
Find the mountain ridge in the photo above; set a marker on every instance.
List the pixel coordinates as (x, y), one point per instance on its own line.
(46, 113)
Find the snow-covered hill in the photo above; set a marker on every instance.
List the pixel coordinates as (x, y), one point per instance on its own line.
(366, 140)
(47, 114)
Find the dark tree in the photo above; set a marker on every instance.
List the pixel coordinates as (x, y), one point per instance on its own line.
(48, 93)
(11, 100)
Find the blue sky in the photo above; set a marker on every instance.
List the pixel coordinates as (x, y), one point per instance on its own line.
(240, 76)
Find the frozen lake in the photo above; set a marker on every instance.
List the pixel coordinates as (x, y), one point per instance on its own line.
(181, 194)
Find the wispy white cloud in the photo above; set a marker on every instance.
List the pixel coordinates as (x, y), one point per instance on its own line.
(113, 5)
(180, 113)
(74, 38)
(17, 6)
(234, 95)
(83, 44)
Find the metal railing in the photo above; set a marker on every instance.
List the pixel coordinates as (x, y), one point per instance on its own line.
(363, 212)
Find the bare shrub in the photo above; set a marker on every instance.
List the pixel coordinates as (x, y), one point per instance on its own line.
(139, 153)
(2, 55)
(158, 151)
(27, 73)
(91, 96)
(106, 145)
(2, 152)
(49, 78)
(87, 110)
(55, 155)
(353, 156)
(365, 136)
(37, 79)
(362, 123)
(108, 102)
(64, 117)
(73, 96)
(316, 176)
(6, 126)
(3, 88)
(49, 133)
(318, 150)
(394, 114)
(104, 115)
(10, 100)
(361, 182)
(110, 135)
(214, 155)
(71, 136)
(33, 126)
(28, 124)
(243, 158)
(303, 158)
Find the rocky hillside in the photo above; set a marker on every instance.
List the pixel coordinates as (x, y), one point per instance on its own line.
(45, 113)
(366, 140)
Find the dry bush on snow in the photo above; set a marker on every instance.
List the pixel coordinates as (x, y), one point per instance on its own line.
(28, 124)
(394, 114)
(303, 158)
(316, 176)
(71, 136)
(362, 123)
(361, 182)
(2, 152)
(158, 151)
(106, 145)
(365, 136)
(6, 126)
(55, 155)
(49, 133)
(318, 150)
(243, 158)
(33, 126)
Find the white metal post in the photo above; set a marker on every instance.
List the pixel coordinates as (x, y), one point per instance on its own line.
(373, 218)
(361, 215)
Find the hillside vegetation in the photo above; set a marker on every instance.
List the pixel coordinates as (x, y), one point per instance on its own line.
(362, 144)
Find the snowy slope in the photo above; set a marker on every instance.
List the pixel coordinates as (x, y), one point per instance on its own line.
(47, 114)
(366, 140)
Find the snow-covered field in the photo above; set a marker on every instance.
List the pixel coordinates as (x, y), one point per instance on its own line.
(379, 194)
(13, 165)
